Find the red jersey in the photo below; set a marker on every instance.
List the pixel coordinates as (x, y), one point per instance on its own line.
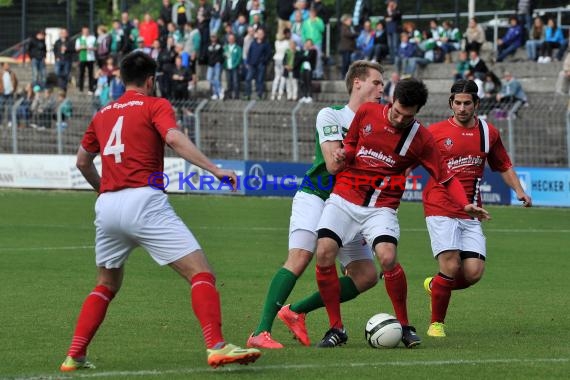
(378, 155)
(131, 131)
(464, 151)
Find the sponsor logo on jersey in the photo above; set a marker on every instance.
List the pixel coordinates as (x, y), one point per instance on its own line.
(330, 130)
(462, 161)
(372, 157)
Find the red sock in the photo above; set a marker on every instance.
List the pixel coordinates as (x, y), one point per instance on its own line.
(329, 287)
(92, 314)
(460, 281)
(206, 306)
(441, 286)
(397, 288)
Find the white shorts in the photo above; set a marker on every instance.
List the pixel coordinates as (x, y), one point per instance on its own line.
(305, 214)
(450, 234)
(142, 216)
(348, 220)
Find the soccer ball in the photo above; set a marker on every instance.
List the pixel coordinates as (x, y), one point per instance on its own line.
(383, 331)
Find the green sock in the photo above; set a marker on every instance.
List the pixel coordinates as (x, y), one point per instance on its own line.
(348, 291)
(281, 286)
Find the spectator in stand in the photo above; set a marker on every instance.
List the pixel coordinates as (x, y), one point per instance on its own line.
(165, 12)
(37, 52)
(450, 39)
(258, 56)
(103, 43)
(524, 13)
(247, 41)
(381, 48)
(249, 4)
(85, 46)
(102, 95)
(361, 13)
(118, 41)
(215, 60)
(64, 107)
(322, 10)
(364, 43)
(176, 34)
(563, 81)
(512, 94)
(479, 83)
(297, 28)
(511, 41)
(180, 77)
(553, 39)
(63, 54)
(155, 51)
(285, 9)
(281, 46)
(181, 13)
(476, 65)
(162, 31)
(232, 9)
(291, 72)
(216, 20)
(393, 19)
(166, 63)
(253, 10)
(474, 36)
(8, 90)
(347, 43)
(307, 61)
(491, 87)
(461, 67)
(203, 16)
(24, 111)
(192, 43)
(232, 61)
(313, 29)
(43, 108)
(148, 30)
(535, 38)
(239, 29)
(129, 35)
(257, 21)
(301, 6)
(389, 87)
(406, 52)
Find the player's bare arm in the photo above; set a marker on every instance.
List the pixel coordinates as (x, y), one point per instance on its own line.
(188, 151)
(512, 180)
(86, 166)
(332, 160)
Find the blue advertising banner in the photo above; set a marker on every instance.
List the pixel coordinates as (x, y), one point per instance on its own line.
(281, 179)
(493, 189)
(546, 187)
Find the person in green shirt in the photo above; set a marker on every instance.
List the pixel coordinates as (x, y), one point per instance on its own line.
(364, 83)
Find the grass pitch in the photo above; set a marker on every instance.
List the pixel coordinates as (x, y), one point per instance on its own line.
(514, 324)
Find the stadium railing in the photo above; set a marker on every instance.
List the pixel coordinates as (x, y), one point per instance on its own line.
(538, 135)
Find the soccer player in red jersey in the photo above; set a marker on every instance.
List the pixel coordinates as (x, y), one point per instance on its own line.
(382, 142)
(130, 135)
(465, 143)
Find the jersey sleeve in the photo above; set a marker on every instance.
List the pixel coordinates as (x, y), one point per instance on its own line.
(498, 158)
(351, 139)
(163, 118)
(89, 141)
(328, 126)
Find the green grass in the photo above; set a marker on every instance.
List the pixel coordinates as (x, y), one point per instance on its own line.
(514, 324)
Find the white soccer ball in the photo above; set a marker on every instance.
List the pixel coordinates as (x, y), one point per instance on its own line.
(383, 331)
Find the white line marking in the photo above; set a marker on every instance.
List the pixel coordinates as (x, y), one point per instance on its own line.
(66, 248)
(257, 368)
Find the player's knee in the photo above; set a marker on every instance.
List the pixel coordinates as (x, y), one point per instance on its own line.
(473, 275)
(364, 278)
(297, 261)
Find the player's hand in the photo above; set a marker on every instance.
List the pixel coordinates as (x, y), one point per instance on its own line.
(227, 176)
(339, 155)
(525, 199)
(477, 212)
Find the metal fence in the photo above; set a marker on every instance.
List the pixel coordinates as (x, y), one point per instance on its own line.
(539, 135)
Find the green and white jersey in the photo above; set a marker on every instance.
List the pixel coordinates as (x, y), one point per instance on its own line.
(332, 125)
